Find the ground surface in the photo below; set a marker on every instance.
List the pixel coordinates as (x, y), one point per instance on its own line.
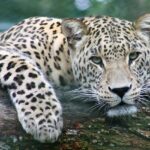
(85, 132)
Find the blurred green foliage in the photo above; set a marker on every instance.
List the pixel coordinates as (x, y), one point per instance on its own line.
(15, 10)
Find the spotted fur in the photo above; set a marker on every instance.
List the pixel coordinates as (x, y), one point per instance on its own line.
(108, 58)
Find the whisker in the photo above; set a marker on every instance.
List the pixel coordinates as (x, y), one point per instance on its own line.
(82, 94)
(93, 108)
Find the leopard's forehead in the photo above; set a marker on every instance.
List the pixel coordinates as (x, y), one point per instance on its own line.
(108, 24)
(111, 37)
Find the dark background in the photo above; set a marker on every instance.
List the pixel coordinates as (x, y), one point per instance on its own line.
(12, 11)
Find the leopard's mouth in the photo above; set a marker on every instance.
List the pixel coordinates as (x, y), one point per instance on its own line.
(121, 109)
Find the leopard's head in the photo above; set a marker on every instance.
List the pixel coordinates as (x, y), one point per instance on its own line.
(110, 61)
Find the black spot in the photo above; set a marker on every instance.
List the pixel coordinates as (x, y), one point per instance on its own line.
(21, 101)
(56, 112)
(49, 55)
(14, 56)
(38, 65)
(56, 58)
(48, 103)
(11, 64)
(2, 36)
(52, 25)
(42, 121)
(32, 75)
(19, 79)
(1, 65)
(61, 49)
(49, 114)
(62, 81)
(33, 100)
(29, 95)
(27, 113)
(49, 121)
(54, 32)
(30, 85)
(37, 55)
(24, 46)
(57, 52)
(26, 52)
(47, 73)
(35, 21)
(7, 75)
(27, 103)
(21, 68)
(40, 96)
(48, 93)
(21, 92)
(42, 52)
(13, 94)
(58, 24)
(33, 108)
(18, 46)
(38, 115)
(41, 109)
(43, 22)
(46, 108)
(49, 69)
(53, 99)
(41, 85)
(3, 57)
(22, 109)
(12, 86)
(53, 107)
(33, 46)
(57, 66)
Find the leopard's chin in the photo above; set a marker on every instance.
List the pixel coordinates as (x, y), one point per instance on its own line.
(122, 110)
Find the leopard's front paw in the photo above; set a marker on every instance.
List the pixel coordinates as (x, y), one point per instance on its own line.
(44, 126)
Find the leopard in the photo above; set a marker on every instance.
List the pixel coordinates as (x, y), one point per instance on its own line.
(107, 58)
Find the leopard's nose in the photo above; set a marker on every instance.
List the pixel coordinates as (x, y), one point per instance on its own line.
(121, 91)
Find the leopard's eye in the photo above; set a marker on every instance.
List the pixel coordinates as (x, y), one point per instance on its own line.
(133, 56)
(97, 60)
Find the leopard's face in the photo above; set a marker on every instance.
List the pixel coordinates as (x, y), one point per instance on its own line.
(111, 64)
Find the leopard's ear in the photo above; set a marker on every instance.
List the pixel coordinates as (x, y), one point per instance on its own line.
(142, 26)
(74, 30)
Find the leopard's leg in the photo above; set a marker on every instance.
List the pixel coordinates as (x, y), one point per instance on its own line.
(39, 111)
